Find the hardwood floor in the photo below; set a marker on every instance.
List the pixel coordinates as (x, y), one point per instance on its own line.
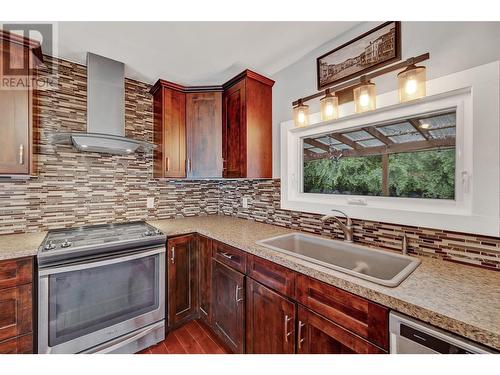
(192, 338)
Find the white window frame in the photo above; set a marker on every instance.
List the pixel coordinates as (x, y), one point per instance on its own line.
(474, 94)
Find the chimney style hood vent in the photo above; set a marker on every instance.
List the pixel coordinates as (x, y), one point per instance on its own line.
(105, 112)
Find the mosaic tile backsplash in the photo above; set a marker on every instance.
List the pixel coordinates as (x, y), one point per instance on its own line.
(74, 188)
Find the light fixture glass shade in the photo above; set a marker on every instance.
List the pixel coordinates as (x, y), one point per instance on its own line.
(365, 97)
(301, 114)
(329, 107)
(411, 83)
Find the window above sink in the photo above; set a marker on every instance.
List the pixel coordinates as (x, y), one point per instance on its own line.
(433, 162)
(413, 158)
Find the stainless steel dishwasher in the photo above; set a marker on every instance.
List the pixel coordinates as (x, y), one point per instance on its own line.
(410, 336)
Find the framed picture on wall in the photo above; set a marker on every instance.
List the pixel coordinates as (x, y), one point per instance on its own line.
(372, 50)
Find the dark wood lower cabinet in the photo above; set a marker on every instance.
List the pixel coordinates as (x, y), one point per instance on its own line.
(17, 345)
(270, 327)
(318, 335)
(272, 311)
(228, 306)
(16, 306)
(182, 259)
(205, 256)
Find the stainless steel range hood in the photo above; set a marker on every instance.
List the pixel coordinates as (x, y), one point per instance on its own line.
(105, 112)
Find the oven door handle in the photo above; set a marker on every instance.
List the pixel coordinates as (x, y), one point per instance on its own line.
(104, 262)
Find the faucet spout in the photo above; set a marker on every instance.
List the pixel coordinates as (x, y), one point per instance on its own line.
(346, 228)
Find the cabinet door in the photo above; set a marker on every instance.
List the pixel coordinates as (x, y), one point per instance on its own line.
(174, 133)
(204, 134)
(15, 311)
(15, 114)
(318, 335)
(15, 125)
(205, 254)
(234, 131)
(17, 345)
(228, 306)
(270, 321)
(182, 280)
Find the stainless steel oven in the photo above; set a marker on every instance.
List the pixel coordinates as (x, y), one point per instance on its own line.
(111, 303)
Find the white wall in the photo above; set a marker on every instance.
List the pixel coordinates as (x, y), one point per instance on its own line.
(453, 46)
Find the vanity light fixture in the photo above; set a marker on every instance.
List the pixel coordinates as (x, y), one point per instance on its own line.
(365, 96)
(301, 114)
(329, 106)
(411, 83)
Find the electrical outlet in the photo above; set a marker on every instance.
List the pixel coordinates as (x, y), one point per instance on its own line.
(150, 202)
(244, 202)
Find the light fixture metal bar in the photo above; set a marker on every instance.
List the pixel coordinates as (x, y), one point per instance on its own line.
(357, 81)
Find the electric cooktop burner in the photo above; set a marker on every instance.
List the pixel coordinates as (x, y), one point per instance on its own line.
(64, 244)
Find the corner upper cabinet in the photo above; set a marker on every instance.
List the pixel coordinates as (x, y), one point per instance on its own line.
(247, 126)
(187, 131)
(204, 134)
(18, 58)
(169, 108)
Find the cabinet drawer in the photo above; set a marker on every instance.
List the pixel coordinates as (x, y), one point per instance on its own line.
(15, 311)
(230, 256)
(318, 335)
(367, 319)
(16, 272)
(17, 345)
(272, 275)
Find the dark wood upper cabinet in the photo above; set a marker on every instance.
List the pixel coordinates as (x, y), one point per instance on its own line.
(228, 306)
(182, 269)
(247, 126)
(270, 327)
(318, 335)
(204, 134)
(205, 257)
(214, 131)
(18, 57)
(169, 131)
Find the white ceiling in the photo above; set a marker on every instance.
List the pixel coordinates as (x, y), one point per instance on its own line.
(195, 53)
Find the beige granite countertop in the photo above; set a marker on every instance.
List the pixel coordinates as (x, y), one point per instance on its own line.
(20, 245)
(461, 299)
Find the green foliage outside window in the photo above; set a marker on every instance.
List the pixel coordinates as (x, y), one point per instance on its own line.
(420, 174)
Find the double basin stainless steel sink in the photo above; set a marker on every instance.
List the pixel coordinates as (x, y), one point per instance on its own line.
(377, 266)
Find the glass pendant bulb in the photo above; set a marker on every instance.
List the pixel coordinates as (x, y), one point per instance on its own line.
(329, 106)
(301, 114)
(411, 83)
(365, 96)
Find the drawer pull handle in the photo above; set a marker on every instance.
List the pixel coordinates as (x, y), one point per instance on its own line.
(226, 255)
(172, 258)
(301, 340)
(286, 321)
(21, 154)
(238, 299)
(167, 162)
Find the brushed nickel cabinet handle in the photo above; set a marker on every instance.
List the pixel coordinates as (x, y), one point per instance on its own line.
(286, 321)
(238, 299)
(226, 255)
(21, 154)
(167, 162)
(172, 258)
(301, 340)
(189, 164)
